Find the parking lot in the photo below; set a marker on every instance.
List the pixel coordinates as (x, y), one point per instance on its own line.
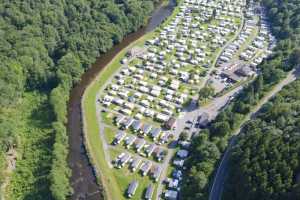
(239, 60)
(148, 104)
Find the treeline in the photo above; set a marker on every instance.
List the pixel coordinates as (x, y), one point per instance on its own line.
(265, 162)
(285, 18)
(285, 57)
(45, 46)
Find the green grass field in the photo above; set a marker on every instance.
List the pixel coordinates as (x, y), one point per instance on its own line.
(125, 176)
(115, 182)
(109, 134)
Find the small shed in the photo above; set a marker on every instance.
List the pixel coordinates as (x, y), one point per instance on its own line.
(171, 123)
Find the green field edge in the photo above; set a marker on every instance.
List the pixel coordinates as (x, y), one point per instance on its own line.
(91, 129)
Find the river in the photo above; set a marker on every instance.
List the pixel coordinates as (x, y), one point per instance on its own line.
(83, 180)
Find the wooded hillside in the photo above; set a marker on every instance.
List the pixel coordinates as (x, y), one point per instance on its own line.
(283, 17)
(265, 162)
(45, 46)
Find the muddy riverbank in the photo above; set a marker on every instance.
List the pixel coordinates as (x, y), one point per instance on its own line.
(83, 179)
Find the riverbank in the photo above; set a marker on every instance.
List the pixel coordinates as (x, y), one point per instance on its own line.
(91, 128)
(83, 179)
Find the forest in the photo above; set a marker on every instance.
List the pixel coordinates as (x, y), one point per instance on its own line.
(265, 162)
(45, 46)
(212, 142)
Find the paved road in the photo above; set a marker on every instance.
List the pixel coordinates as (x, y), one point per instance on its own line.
(191, 113)
(229, 42)
(218, 184)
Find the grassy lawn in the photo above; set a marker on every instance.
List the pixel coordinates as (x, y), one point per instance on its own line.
(109, 134)
(94, 145)
(115, 182)
(107, 118)
(125, 177)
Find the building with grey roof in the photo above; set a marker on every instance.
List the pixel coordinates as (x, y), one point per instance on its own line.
(124, 160)
(119, 137)
(135, 164)
(136, 125)
(171, 195)
(132, 188)
(155, 133)
(146, 166)
(155, 173)
(130, 140)
(146, 128)
(119, 119)
(149, 192)
(139, 144)
(182, 153)
(127, 123)
(149, 150)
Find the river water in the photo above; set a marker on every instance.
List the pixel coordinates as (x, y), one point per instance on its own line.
(83, 179)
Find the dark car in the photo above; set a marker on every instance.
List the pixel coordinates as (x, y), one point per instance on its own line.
(188, 122)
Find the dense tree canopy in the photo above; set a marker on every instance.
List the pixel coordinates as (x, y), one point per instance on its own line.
(200, 164)
(45, 46)
(35, 35)
(284, 19)
(265, 162)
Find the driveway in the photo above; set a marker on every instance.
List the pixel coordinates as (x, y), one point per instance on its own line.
(191, 113)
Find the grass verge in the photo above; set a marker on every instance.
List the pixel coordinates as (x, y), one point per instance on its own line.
(115, 182)
(113, 189)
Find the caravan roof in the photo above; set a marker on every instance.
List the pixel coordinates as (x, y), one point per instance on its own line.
(149, 192)
(135, 163)
(136, 125)
(132, 188)
(146, 128)
(130, 139)
(155, 132)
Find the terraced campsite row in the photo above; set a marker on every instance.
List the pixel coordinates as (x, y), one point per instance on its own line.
(144, 107)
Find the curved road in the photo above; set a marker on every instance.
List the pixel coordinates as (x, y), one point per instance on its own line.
(206, 78)
(192, 112)
(218, 184)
